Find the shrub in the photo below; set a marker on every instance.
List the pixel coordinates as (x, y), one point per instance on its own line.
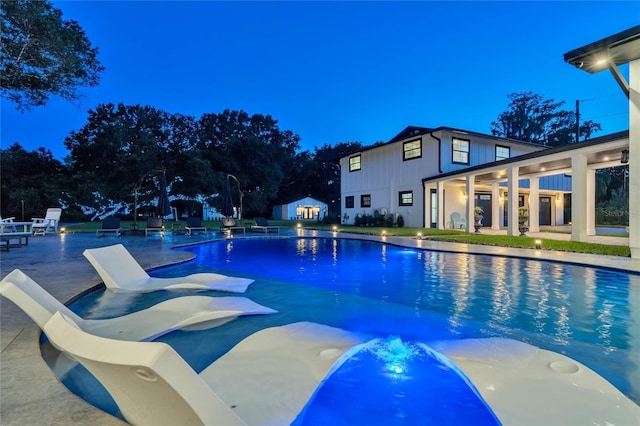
(400, 221)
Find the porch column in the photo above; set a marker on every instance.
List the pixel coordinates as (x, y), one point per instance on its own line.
(591, 202)
(634, 158)
(534, 204)
(442, 223)
(512, 207)
(579, 197)
(495, 206)
(471, 202)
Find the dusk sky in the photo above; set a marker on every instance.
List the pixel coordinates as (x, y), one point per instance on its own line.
(336, 71)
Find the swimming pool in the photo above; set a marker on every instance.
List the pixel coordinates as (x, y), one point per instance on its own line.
(587, 314)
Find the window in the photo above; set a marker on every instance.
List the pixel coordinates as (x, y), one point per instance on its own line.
(348, 202)
(365, 200)
(412, 149)
(354, 163)
(502, 152)
(460, 151)
(405, 198)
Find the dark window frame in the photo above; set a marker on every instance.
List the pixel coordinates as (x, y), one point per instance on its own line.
(349, 202)
(352, 167)
(501, 157)
(419, 149)
(454, 151)
(364, 197)
(400, 200)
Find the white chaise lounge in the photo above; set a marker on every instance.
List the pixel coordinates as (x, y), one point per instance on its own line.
(120, 271)
(187, 312)
(264, 380)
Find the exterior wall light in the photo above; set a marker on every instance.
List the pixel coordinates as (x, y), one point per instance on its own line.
(624, 157)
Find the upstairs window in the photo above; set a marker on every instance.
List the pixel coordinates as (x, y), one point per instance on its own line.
(354, 163)
(365, 200)
(348, 202)
(460, 151)
(405, 198)
(412, 149)
(502, 152)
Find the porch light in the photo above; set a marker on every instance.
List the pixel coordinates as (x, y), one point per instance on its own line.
(624, 157)
(608, 53)
(464, 196)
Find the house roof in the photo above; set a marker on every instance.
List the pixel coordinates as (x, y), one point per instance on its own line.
(619, 48)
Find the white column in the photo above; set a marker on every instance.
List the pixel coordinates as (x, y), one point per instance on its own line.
(442, 222)
(495, 206)
(579, 197)
(471, 202)
(534, 204)
(591, 202)
(634, 158)
(512, 208)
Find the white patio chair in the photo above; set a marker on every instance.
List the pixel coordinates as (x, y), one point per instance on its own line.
(266, 379)
(120, 271)
(41, 226)
(187, 312)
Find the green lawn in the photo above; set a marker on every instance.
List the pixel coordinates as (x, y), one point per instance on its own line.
(427, 233)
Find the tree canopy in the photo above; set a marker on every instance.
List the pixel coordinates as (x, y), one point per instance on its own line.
(43, 54)
(532, 118)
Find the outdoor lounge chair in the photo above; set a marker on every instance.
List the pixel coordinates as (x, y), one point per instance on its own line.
(120, 271)
(266, 379)
(457, 221)
(262, 225)
(154, 224)
(197, 312)
(41, 226)
(229, 225)
(109, 224)
(194, 224)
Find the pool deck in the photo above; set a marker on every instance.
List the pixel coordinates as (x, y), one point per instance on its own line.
(30, 394)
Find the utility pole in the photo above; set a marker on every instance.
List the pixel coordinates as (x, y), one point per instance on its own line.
(577, 120)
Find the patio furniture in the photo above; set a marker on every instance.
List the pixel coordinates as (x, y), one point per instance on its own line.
(120, 271)
(154, 224)
(40, 226)
(194, 224)
(266, 379)
(109, 225)
(229, 225)
(147, 324)
(262, 225)
(457, 221)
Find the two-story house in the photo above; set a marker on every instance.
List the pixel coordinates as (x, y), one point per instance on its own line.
(397, 178)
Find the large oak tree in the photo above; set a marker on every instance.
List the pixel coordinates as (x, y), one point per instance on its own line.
(43, 54)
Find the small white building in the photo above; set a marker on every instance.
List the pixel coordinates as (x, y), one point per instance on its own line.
(304, 208)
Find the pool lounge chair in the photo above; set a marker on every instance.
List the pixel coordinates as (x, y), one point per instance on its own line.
(229, 225)
(41, 226)
(154, 224)
(194, 224)
(262, 225)
(109, 225)
(120, 271)
(266, 379)
(196, 312)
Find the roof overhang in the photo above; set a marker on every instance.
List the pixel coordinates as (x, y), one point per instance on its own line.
(602, 152)
(608, 53)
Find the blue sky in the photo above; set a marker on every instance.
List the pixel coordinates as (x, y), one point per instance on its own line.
(336, 71)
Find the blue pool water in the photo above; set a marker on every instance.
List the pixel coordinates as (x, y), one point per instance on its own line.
(588, 314)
